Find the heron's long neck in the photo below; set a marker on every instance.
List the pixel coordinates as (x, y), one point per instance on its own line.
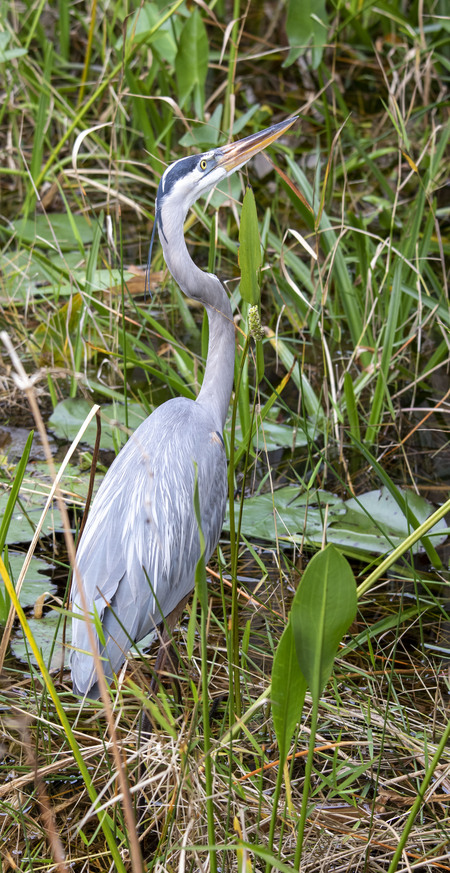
(218, 379)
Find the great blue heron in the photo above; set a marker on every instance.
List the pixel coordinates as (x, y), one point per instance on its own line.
(140, 547)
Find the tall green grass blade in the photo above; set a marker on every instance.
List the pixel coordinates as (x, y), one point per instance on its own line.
(350, 403)
(241, 377)
(41, 124)
(294, 367)
(381, 388)
(231, 68)
(94, 98)
(201, 588)
(91, 267)
(123, 326)
(420, 798)
(345, 290)
(15, 489)
(64, 28)
(88, 51)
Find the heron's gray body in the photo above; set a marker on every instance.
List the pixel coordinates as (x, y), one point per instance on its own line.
(140, 547)
(142, 543)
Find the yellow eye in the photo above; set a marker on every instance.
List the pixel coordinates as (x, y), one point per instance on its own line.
(203, 164)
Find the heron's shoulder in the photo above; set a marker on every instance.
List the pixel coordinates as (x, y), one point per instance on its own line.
(179, 415)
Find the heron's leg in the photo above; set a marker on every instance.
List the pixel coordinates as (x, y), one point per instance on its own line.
(164, 656)
(163, 659)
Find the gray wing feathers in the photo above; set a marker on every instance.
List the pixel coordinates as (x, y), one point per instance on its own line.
(141, 544)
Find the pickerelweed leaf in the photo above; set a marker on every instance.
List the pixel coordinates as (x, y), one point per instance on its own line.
(70, 414)
(288, 691)
(306, 26)
(249, 250)
(191, 63)
(371, 523)
(323, 609)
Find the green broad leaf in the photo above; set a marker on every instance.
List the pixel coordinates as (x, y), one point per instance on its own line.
(371, 524)
(288, 691)
(229, 187)
(48, 634)
(99, 281)
(275, 435)
(70, 414)
(7, 54)
(205, 136)
(322, 611)
(191, 63)
(288, 513)
(37, 579)
(25, 516)
(33, 495)
(49, 277)
(380, 508)
(306, 27)
(145, 27)
(43, 230)
(249, 250)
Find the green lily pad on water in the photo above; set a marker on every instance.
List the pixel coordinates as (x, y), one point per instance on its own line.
(274, 435)
(47, 633)
(285, 512)
(372, 523)
(33, 497)
(70, 414)
(26, 516)
(36, 580)
(44, 229)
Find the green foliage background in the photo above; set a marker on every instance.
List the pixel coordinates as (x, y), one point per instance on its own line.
(96, 99)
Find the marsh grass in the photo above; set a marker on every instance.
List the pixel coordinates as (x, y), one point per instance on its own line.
(95, 102)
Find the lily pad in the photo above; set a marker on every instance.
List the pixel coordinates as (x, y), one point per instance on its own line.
(25, 516)
(286, 512)
(47, 633)
(42, 229)
(70, 414)
(372, 523)
(33, 496)
(274, 435)
(36, 581)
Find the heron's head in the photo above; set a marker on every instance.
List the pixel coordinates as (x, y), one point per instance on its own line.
(188, 178)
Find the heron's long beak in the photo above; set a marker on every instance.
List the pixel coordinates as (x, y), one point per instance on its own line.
(238, 153)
